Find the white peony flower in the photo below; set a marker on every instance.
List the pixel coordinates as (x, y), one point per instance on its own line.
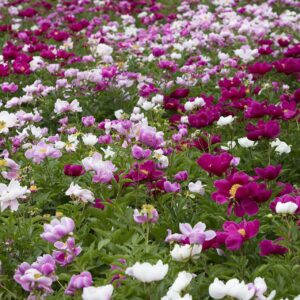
(145, 272)
(103, 50)
(281, 147)
(98, 293)
(9, 195)
(7, 121)
(186, 252)
(246, 143)
(286, 208)
(197, 187)
(79, 193)
(225, 120)
(232, 288)
(89, 139)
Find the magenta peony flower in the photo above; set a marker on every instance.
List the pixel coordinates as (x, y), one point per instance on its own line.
(171, 187)
(269, 247)
(269, 130)
(235, 234)
(215, 164)
(269, 172)
(74, 170)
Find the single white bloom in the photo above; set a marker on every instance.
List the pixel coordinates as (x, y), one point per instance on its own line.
(147, 105)
(197, 187)
(145, 272)
(286, 208)
(79, 193)
(225, 120)
(89, 139)
(98, 293)
(119, 114)
(9, 195)
(217, 289)
(246, 143)
(186, 252)
(103, 50)
(7, 121)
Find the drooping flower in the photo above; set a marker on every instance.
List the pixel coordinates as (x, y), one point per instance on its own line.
(191, 235)
(145, 272)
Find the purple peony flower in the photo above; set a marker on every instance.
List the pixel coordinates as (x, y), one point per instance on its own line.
(191, 235)
(57, 229)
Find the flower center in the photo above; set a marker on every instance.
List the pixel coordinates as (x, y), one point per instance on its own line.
(233, 190)
(37, 276)
(148, 208)
(2, 125)
(242, 232)
(3, 162)
(43, 150)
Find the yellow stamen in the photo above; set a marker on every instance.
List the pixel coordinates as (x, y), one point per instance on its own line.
(233, 190)
(3, 163)
(2, 125)
(242, 232)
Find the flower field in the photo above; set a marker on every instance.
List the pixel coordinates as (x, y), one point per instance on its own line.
(149, 149)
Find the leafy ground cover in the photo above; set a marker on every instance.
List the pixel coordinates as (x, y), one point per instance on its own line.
(149, 149)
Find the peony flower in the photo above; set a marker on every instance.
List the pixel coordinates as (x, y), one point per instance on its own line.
(235, 234)
(147, 214)
(7, 121)
(286, 208)
(225, 120)
(281, 147)
(64, 106)
(269, 172)
(246, 143)
(196, 187)
(191, 235)
(186, 252)
(268, 247)
(181, 282)
(73, 170)
(78, 193)
(57, 229)
(89, 139)
(9, 195)
(215, 164)
(98, 293)
(145, 272)
(232, 288)
(80, 281)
